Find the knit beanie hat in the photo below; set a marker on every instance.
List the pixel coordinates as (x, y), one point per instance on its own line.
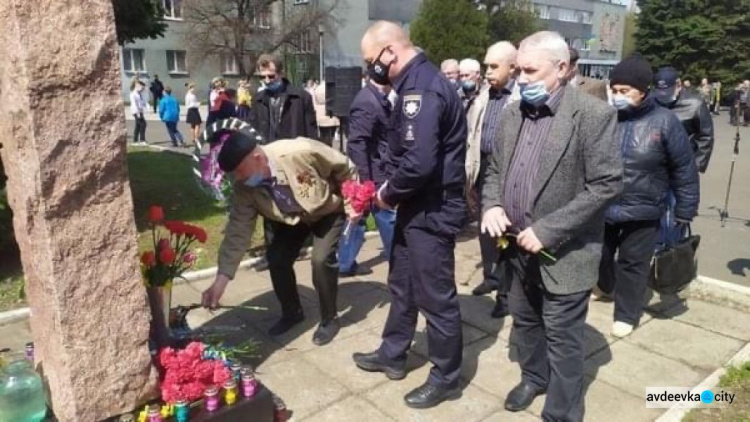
(634, 71)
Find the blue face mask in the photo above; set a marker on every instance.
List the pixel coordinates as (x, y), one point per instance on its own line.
(468, 86)
(622, 102)
(534, 94)
(275, 86)
(255, 180)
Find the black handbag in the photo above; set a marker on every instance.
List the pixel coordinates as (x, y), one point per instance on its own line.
(675, 265)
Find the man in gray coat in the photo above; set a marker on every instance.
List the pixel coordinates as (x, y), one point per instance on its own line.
(555, 169)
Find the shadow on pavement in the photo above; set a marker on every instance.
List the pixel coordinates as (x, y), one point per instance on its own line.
(254, 324)
(668, 306)
(739, 265)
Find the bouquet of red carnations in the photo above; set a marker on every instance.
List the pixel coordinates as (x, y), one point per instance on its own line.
(187, 373)
(359, 196)
(171, 255)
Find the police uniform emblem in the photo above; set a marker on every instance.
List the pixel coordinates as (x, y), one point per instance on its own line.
(412, 105)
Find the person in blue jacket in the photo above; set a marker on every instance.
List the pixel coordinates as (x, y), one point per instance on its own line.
(427, 186)
(367, 146)
(657, 157)
(169, 112)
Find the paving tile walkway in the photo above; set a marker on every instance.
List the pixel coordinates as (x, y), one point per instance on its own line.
(678, 344)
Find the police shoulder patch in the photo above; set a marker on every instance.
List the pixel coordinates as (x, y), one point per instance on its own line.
(412, 105)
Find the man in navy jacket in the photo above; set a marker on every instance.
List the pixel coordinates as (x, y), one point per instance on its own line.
(369, 132)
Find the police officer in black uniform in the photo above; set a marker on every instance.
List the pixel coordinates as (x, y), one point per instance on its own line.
(427, 187)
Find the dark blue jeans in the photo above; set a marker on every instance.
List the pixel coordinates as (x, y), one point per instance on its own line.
(351, 244)
(174, 134)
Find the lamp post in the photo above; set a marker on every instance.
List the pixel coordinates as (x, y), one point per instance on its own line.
(321, 31)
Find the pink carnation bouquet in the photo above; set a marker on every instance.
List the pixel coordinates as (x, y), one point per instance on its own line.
(359, 196)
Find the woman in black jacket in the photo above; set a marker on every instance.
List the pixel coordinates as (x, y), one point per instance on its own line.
(657, 158)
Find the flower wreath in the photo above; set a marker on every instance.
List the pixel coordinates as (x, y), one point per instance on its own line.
(206, 168)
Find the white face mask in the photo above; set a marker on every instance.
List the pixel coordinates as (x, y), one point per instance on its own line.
(622, 102)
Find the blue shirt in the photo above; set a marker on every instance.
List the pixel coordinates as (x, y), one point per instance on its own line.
(169, 109)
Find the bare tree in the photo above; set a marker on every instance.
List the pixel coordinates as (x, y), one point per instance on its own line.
(244, 29)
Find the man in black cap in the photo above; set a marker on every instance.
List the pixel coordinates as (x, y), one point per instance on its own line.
(691, 110)
(295, 184)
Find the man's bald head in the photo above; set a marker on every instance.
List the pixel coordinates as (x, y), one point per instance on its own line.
(382, 34)
(500, 62)
(502, 51)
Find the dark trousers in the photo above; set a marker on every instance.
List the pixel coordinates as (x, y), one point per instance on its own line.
(421, 279)
(549, 332)
(174, 134)
(488, 244)
(139, 133)
(634, 243)
(155, 100)
(327, 134)
(284, 250)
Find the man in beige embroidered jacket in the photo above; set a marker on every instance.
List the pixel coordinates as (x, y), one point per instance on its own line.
(296, 185)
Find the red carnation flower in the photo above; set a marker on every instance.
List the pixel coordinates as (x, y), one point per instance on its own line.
(163, 244)
(175, 227)
(148, 258)
(155, 214)
(358, 195)
(167, 256)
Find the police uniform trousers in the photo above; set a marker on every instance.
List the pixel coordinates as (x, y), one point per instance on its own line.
(549, 330)
(283, 250)
(421, 278)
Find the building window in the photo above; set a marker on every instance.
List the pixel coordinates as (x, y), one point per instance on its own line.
(229, 65)
(585, 45)
(262, 17)
(543, 11)
(176, 61)
(132, 60)
(304, 43)
(301, 2)
(172, 9)
(584, 17)
(566, 15)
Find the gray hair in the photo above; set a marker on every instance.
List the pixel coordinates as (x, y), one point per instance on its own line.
(448, 63)
(469, 65)
(552, 43)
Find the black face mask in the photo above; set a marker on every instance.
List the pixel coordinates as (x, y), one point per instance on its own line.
(378, 71)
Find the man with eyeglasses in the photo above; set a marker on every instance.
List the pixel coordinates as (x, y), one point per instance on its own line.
(427, 185)
(281, 110)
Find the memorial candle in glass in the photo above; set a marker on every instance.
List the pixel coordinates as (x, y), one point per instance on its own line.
(182, 411)
(154, 414)
(212, 398)
(230, 392)
(249, 385)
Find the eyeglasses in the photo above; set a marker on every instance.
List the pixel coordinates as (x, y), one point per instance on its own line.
(268, 77)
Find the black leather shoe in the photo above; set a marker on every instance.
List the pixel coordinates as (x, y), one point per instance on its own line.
(326, 332)
(501, 308)
(355, 272)
(428, 395)
(521, 397)
(372, 362)
(286, 323)
(484, 288)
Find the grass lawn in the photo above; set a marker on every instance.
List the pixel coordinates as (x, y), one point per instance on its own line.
(737, 381)
(166, 179)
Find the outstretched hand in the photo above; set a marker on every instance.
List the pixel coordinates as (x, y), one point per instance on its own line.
(211, 296)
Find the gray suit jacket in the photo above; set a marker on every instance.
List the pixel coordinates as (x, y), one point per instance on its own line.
(580, 172)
